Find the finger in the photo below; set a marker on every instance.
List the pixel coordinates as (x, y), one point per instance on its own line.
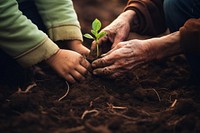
(110, 35)
(69, 78)
(117, 47)
(111, 51)
(118, 38)
(82, 70)
(102, 71)
(94, 45)
(115, 75)
(85, 63)
(84, 52)
(102, 62)
(77, 76)
(102, 40)
(108, 70)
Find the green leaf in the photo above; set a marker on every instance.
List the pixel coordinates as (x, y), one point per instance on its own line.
(96, 25)
(94, 32)
(101, 34)
(88, 36)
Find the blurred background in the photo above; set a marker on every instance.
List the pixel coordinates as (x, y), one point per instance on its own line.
(105, 10)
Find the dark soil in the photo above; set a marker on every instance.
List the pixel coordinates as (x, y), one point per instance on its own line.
(158, 97)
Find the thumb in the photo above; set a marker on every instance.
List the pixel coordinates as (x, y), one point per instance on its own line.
(117, 39)
(93, 45)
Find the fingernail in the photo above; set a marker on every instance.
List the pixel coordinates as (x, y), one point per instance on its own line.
(103, 55)
(93, 65)
(94, 72)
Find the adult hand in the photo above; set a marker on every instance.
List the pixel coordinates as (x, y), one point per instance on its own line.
(122, 58)
(131, 54)
(117, 31)
(70, 65)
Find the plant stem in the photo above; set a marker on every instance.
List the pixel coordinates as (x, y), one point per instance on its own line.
(97, 50)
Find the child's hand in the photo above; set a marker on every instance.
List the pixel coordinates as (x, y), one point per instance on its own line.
(70, 65)
(75, 45)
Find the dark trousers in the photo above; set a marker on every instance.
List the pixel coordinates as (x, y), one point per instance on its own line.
(177, 12)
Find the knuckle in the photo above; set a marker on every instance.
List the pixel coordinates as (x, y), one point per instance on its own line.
(78, 77)
(115, 75)
(81, 78)
(120, 45)
(70, 79)
(128, 67)
(120, 63)
(81, 57)
(102, 61)
(83, 62)
(106, 70)
(85, 72)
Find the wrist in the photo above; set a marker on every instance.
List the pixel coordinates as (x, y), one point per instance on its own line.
(130, 17)
(69, 44)
(52, 58)
(165, 46)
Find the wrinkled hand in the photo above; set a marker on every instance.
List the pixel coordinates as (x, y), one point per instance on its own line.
(117, 31)
(70, 65)
(123, 57)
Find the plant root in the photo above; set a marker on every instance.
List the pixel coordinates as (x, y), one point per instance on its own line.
(159, 99)
(28, 89)
(89, 112)
(174, 103)
(67, 92)
(157, 94)
(111, 106)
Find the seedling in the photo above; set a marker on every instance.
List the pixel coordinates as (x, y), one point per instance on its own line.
(96, 35)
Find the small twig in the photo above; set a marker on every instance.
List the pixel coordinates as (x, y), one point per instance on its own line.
(159, 99)
(157, 95)
(65, 93)
(91, 104)
(145, 113)
(115, 107)
(97, 98)
(174, 103)
(88, 112)
(27, 89)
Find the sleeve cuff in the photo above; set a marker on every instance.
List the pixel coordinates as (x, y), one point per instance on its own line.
(65, 33)
(39, 53)
(147, 12)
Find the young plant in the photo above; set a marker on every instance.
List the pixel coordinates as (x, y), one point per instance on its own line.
(96, 35)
